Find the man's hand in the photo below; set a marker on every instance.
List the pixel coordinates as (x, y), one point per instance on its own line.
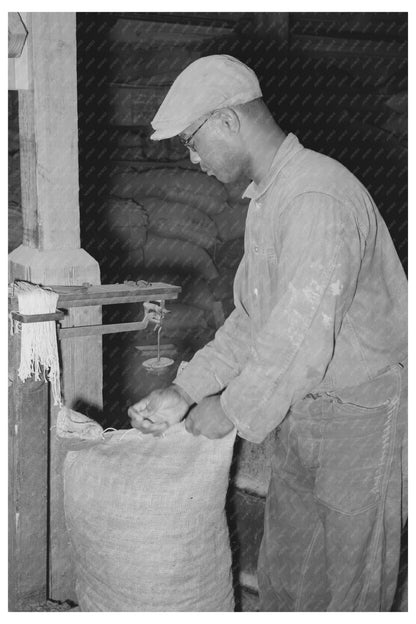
(159, 410)
(208, 419)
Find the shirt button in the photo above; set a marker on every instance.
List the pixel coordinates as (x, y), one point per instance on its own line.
(256, 249)
(256, 292)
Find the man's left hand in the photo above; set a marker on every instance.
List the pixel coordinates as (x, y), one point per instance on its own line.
(208, 419)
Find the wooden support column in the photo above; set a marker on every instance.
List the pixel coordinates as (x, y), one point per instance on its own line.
(51, 252)
(28, 503)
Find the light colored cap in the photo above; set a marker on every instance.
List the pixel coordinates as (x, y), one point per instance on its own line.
(207, 84)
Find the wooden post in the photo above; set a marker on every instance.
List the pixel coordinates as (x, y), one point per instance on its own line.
(28, 470)
(51, 252)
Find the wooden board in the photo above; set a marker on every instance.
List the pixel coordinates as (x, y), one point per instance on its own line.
(51, 253)
(387, 26)
(48, 127)
(106, 294)
(28, 481)
(337, 46)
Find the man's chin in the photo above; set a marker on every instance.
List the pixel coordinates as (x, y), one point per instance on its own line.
(221, 177)
(215, 175)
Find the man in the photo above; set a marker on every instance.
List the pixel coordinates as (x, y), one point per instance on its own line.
(315, 347)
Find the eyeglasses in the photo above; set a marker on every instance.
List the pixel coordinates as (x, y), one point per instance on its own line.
(187, 142)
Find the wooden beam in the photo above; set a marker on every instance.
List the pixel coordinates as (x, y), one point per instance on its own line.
(28, 470)
(99, 330)
(51, 252)
(106, 294)
(49, 135)
(38, 318)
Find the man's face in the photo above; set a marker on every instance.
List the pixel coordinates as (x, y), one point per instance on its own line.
(214, 148)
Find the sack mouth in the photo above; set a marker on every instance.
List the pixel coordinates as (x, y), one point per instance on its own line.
(128, 435)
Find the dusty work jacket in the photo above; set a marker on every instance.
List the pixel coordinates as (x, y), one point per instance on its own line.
(320, 296)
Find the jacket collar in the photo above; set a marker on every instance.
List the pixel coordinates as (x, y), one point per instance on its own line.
(286, 151)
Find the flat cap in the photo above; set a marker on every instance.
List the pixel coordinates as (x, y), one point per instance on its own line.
(207, 84)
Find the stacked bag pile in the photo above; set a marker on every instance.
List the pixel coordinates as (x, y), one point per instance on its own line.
(188, 228)
(181, 226)
(146, 57)
(166, 220)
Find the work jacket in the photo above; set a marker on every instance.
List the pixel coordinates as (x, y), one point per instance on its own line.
(320, 296)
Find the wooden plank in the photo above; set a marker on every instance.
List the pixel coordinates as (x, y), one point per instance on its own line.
(99, 330)
(337, 46)
(82, 391)
(222, 20)
(120, 289)
(28, 478)
(375, 26)
(38, 318)
(49, 134)
(51, 253)
(101, 300)
(150, 29)
(111, 301)
(106, 294)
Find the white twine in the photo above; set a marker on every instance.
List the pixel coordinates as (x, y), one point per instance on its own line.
(138, 433)
(39, 348)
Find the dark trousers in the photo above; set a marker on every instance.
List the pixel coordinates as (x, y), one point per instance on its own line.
(337, 501)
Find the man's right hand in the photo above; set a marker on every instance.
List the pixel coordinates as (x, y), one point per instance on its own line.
(160, 410)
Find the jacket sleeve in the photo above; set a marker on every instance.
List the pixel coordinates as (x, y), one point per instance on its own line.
(318, 268)
(221, 360)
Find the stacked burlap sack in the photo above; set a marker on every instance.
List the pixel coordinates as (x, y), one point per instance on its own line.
(189, 230)
(145, 52)
(134, 144)
(191, 218)
(146, 56)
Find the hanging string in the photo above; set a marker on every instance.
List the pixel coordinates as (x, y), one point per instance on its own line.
(39, 348)
(136, 431)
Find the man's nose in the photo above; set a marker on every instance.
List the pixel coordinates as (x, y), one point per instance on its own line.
(194, 157)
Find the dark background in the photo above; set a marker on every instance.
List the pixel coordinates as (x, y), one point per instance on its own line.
(337, 80)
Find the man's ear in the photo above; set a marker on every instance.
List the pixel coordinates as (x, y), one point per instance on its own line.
(229, 118)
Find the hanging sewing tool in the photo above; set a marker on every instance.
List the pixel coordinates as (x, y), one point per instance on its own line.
(158, 364)
(152, 295)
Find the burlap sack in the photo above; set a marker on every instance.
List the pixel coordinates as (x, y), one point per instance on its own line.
(223, 286)
(196, 292)
(157, 182)
(174, 254)
(147, 522)
(177, 220)
(228, 255)
(183, 316)
(127, 222)
(231, 222)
